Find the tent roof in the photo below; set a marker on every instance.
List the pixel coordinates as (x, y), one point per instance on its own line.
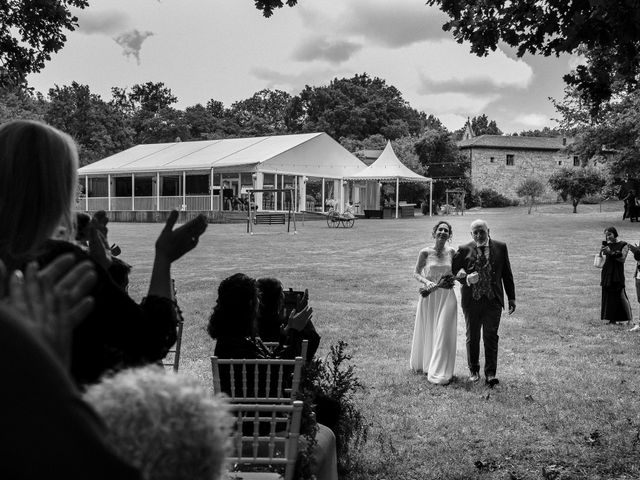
(388, 167)
(314, 154)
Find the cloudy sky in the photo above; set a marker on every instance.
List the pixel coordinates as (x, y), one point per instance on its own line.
(226, 50)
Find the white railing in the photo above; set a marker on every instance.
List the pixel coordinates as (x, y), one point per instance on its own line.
(121, 203)
(198, 202)
(145, 203)
(96, 203)
(170, 203)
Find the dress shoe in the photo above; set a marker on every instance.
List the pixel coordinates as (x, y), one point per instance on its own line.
(474, 377)
(492, 381)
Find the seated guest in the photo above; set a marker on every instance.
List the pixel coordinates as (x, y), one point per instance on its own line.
(233, 324)
(46, 429)
(272, 322)
(38, 178)
(164, 423)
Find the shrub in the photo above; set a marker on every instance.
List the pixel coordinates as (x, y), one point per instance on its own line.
(333, 378)
(491, 199)
(592, 199)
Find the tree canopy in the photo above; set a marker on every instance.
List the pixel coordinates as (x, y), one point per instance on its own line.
(606, 32)
(30, 32)
(576, 183)
(358, 107)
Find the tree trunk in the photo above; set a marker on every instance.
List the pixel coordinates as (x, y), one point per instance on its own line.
(530, 205)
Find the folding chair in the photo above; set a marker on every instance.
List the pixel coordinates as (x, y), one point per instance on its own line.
(172, 358)
(265, 435)
(257, 380)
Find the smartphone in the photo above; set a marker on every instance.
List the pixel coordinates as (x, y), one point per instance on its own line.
(291, 299)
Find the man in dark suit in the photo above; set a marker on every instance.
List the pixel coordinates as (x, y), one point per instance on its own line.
(486, 263)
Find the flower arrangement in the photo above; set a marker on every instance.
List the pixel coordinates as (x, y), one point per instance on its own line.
(330, 202)
(446, 281)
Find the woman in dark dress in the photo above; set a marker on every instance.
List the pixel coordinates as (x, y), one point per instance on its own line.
(615, 303)
(38, 178)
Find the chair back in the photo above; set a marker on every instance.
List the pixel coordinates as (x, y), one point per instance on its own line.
(257, 380)
(172, 358)
(266, 435)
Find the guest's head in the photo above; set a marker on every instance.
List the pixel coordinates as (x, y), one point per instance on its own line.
(235, 311)
(38, 165)
(442, 229)
(82, 227)
(119, 271)
(271, 308)
(479, 231)
(610, 234)
(163, 423)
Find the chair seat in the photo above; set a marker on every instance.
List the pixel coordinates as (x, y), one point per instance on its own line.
(252, 476)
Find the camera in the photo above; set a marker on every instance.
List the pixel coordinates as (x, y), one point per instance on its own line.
(604, 243)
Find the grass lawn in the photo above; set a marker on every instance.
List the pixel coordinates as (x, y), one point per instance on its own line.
(568, 402)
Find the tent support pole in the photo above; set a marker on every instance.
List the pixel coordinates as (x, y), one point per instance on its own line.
(397, 194)
(431, 198)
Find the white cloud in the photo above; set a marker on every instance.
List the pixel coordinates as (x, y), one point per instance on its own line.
(106, 22)
(534, 120)
(321, 49)
(131, 43)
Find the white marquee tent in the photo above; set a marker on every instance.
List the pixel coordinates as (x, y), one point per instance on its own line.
(388, 168)
(197, 175)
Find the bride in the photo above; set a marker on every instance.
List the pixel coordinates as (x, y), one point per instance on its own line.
(433, 349)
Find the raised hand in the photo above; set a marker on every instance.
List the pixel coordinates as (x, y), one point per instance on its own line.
(54, 300)
(173, 244)
(99, 248)
(299, 320)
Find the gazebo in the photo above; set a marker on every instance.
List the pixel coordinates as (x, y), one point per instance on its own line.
(388, 168)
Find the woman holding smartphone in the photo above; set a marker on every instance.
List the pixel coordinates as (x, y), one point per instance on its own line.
(615, 303)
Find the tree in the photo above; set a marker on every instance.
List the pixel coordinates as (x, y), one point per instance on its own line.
(530, 189)
(31, 31)
(545, 132)
(606, 32)
(577, 183)
(482, 126)
(441, 160)
(264, 113)
(19, 103)
(98, 127)
(267, 6)
(358, 107)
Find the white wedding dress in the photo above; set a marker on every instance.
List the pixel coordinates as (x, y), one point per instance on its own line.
(433, 350)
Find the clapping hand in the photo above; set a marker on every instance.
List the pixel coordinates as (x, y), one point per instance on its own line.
(99, 249)
(173, 244)
(299, 320)
(54, 300)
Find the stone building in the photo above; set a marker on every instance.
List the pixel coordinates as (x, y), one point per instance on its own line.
(501, 162)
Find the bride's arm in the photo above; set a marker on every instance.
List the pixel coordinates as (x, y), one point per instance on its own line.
(417, 273)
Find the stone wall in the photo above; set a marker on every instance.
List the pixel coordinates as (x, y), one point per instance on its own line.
(489, 169)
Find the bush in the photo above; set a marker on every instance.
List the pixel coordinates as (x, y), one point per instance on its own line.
(592, 199)
(491, 199)
(335, 379)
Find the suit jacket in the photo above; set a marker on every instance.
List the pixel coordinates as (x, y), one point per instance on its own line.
(501, 275)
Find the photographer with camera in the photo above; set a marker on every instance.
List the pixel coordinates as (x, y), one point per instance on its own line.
(615, 303)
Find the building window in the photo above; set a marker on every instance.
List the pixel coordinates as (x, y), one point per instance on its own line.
(559, 162)
(576, 161)
(509, 160)
(492, 159)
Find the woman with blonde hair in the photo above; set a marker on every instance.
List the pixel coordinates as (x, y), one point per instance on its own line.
(38, 182)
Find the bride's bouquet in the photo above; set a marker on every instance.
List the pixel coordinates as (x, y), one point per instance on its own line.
(446, 281)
